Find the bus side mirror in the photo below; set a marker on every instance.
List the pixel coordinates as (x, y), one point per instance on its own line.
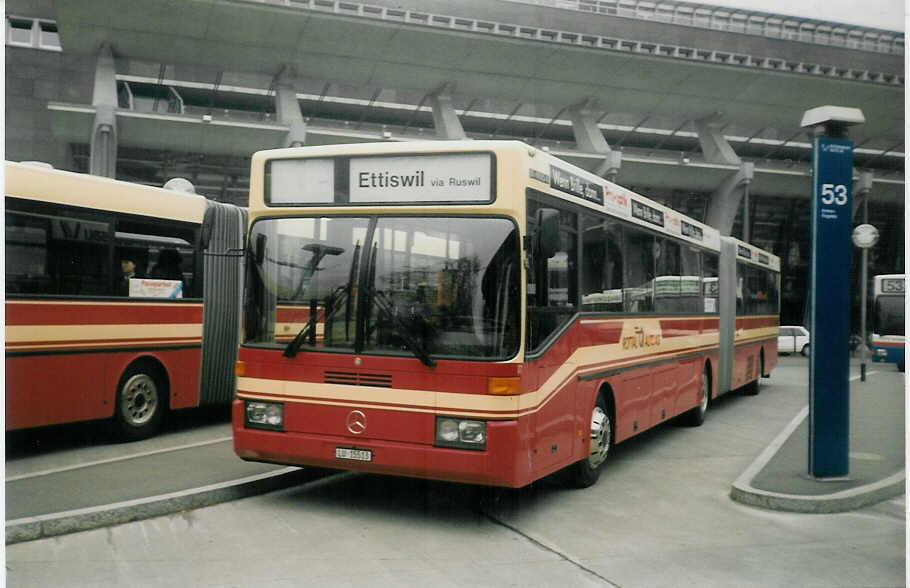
(546, 239)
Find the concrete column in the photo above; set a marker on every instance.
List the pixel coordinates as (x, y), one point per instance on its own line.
(609, 167)
(444, 118)
(714, 145)
(589, 139)
(726, 199)
(103, 145)
(287, 109)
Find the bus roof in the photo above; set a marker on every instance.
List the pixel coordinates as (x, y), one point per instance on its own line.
(51, 185)
(545, 173)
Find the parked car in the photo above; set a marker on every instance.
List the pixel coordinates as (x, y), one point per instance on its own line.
(793, 339)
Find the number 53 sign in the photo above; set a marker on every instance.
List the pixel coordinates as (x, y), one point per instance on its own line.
(837, 194)
(829, 305)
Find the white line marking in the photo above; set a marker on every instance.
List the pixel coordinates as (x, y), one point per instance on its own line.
(745, 480)
(115, 459)
(151, 499)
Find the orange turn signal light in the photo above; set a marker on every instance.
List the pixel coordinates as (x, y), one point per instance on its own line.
(239, 369)
(504, 386)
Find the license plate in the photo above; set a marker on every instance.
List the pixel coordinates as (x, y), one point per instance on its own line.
(355, 454)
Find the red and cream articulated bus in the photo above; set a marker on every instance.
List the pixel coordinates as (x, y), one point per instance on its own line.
(122, 300)
(481, 312)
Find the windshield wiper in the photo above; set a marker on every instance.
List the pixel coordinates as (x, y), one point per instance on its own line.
(331, 303)
(403, 330)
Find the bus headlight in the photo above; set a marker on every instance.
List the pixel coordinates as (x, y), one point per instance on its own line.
(264, 415)
(881, 352)
(461, 433)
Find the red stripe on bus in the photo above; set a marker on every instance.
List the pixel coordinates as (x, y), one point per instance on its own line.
(756, 322)
(57, 313)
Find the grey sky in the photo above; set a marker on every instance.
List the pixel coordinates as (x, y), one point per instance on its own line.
(883, 14)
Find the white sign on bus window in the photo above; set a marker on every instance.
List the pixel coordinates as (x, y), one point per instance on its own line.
(153, 288)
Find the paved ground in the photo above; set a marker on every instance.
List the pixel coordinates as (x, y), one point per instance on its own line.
(779, 479)
(661, 515)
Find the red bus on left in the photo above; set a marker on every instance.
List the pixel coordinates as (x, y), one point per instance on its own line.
(122, 300)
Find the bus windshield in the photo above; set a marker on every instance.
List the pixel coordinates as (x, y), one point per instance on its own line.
(889, 315)
(424, 286)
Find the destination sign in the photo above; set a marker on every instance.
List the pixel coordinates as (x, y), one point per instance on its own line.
(763, 258)
(744, 252)
(649, 214)
(457, 177)
(539, 176)
(576, 185)
(405, 179)
(892, 286)
(692, 231)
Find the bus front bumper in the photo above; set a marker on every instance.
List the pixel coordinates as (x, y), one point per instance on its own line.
(489, 467)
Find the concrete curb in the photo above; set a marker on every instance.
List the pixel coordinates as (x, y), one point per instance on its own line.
(845, 500)
(50, 525)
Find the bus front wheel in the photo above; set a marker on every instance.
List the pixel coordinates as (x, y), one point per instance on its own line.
(140, 403)
(586, 472)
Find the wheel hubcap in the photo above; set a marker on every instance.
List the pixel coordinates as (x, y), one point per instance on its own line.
(704, 394)
(600, 437)
(139, 400)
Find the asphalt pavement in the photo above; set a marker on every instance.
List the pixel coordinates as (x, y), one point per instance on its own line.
(50, 493)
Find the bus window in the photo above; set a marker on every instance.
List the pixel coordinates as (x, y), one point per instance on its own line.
(889, 315)
(638, 287)
(601, 271)
(759, 293)
(690, 282)
(710, 285)
(667, 282)
(741, 289)
(66, 252)
(553, 285)
(158, 251)
(27, 270)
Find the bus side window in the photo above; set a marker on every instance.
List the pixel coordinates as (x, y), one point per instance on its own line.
(555, 277)
(710, 287)
(27, 270)
(639, 284)
(690, 284)
(163, 251)
(602, 267)
(741, 289)
(667, 281)
(54, 249)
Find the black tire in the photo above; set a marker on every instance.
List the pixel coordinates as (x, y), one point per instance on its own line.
(754, 387)
(586, 472)
(805, 350)
(141, 402)
(696, 416)
(900, 366)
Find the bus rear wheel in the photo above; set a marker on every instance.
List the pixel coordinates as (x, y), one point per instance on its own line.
(586, 472)
(696, 416)
(140, 403)
(754, 387)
